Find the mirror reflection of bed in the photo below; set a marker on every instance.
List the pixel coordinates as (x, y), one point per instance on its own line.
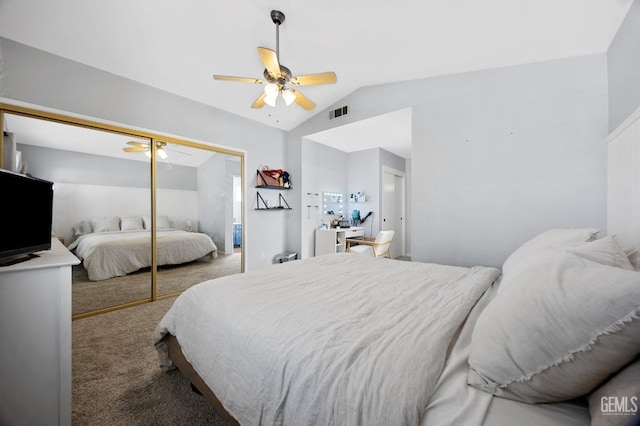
(102, 209)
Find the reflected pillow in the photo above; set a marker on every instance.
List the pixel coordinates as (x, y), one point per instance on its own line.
(163, 222)
(133, 223)
(82, 228)
(105, 224)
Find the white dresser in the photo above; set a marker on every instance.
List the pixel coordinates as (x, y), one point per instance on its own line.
(334, 240)
(35, 325)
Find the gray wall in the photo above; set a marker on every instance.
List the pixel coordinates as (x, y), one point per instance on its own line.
(623, 58)
(507, 154)
(41, 79)
(497, 156)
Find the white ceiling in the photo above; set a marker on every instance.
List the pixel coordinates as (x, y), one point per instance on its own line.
(178, 46)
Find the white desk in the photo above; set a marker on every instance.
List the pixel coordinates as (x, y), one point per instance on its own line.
(35, 325)
(334, 240)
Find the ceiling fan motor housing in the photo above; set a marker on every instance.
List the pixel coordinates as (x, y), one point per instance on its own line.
(285, 76)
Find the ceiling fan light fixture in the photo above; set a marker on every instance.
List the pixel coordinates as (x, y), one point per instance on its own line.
(271, 90)
(271, 100)
(161, 153)
(289, 96)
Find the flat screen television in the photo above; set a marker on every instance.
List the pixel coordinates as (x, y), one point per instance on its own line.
(26, 216)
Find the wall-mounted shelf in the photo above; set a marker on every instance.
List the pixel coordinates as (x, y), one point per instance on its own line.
(267, 182)
(263, 205)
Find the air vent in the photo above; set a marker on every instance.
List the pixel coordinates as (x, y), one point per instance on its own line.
(340, 112)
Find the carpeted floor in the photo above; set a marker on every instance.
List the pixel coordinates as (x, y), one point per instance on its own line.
(92, 295)
(117, 379)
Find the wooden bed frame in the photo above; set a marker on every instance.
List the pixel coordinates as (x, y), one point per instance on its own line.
(174, 352)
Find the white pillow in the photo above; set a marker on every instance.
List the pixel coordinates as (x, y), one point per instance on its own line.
(562, 326)
(518, 259)
(132, 223)
(605, 251)
(105, 224)
(634, 257)
(162, 223)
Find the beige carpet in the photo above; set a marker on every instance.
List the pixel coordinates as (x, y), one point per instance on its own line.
(93, 295)
(117, 379)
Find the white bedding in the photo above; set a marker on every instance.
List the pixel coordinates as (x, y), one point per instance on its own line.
(112, 254)
(337, 339)
(454, 402)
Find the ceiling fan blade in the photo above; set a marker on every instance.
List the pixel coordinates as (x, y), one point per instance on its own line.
(270, 61)
(259, 103)
(238, 79)
(138, 144)
(303, 101)
(313, 79)
(137, 149)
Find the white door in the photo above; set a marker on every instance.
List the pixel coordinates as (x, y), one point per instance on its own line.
(393, 206)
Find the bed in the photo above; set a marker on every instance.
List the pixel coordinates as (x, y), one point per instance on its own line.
(350, 340)
(113, 247)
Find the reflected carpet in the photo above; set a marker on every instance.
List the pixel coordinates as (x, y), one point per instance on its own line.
(93, 295)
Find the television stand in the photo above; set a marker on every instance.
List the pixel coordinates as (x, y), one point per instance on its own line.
(18, 259)
(36, 348)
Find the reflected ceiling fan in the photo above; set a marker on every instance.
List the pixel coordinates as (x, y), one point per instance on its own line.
(161, 149)
(278, 78)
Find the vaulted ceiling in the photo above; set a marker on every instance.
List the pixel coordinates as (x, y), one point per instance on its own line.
(178, 46)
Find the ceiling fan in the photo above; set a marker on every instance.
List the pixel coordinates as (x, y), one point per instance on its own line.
(278, 78)
(161, 149)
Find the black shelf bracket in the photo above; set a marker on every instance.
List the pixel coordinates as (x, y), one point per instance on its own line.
(261, 204)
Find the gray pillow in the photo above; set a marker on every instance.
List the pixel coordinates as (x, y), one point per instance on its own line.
(617, 402)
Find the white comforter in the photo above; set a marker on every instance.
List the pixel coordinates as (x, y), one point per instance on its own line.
(112, 254)
(331, 340)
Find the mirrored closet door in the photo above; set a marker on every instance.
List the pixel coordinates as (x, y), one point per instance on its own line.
(116, 189)
(198, 204)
